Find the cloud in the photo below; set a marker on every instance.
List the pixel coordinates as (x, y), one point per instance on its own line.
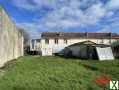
(94, 13)
(112, 27)
(31, 28)
(35, 5)
(113, 4)
(106, 29)
(24, 4)
(66, 14)
(46, 3)
(69, 10)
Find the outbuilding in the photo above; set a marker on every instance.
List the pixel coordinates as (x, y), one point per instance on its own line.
(89, 50)
(115, 48)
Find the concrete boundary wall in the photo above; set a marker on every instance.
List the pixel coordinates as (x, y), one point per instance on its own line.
(11, 39)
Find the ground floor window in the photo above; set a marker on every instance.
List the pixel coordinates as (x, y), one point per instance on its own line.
(56, 41)
(47, 41)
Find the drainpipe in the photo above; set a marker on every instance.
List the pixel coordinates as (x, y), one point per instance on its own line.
(86, 35)
(110, 38)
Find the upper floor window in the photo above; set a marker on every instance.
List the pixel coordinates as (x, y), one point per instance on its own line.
(65, 41)
(33, 44)
(117, 40)
(46, 41)
(56, 41)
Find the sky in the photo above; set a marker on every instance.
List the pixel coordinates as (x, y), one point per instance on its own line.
(37, 16)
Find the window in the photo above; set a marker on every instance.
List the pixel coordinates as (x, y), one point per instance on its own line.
(33, 44)
(102, 41)
(56, 41)
(117, 40)
(110, 41)
(65, 41)
(46, 41)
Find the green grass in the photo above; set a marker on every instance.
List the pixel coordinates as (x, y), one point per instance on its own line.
(55, 73)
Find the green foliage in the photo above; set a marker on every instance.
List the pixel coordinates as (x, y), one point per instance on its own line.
(55, 73)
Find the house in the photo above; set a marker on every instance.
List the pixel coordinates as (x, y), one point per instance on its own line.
(55, 42)
(35, 46)
(11, 39)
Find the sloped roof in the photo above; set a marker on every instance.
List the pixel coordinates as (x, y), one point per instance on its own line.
(79, 35)
(89, 43)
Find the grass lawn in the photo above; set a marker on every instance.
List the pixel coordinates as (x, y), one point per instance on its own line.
(55, 73)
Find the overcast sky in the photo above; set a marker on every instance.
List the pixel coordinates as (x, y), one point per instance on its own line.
(37, 16)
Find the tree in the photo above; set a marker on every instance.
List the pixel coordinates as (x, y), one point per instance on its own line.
(26, 37)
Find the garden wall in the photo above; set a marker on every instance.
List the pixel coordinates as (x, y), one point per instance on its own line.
(11, 39)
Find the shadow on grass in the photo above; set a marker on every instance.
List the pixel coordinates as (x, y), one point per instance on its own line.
(87, 66)
(8, 64)
(74, 57)
(90, 67)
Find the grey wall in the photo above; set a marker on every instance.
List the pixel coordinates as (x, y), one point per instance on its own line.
(11, 39)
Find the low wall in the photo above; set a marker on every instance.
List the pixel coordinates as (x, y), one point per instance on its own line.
(11, 39)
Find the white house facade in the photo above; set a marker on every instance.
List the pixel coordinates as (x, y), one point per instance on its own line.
(35, 44)
(54, 42)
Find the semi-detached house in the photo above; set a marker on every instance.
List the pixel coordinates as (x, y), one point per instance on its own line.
(54, 42)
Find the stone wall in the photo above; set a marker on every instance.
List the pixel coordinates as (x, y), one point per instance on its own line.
(11, 39)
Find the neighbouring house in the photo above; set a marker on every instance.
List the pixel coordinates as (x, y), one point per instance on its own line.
(89, 50)
(11, 39)
(54, 42)
(35, 46)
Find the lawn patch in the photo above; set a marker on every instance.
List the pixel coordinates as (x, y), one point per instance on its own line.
(55, 73)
